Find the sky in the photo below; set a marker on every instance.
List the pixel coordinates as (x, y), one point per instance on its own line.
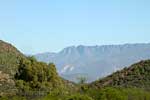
(36, 26)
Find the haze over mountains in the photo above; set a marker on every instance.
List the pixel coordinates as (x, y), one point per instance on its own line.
(95, 61)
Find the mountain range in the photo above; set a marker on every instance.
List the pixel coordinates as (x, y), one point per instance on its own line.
(24, 78)
(94, 62)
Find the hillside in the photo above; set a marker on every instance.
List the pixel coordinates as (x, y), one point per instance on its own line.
(95, 61)
(9, 57)
(137, 75)
(21, 75)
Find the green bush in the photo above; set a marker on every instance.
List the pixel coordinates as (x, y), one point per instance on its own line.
(79, 97)
(112, 94)
(34, 75)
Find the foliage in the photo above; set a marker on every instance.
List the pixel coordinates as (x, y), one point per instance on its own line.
(138, 75)
(79, 97)
(108, 93)
(9, 58)
(34, 75)
(81, 79)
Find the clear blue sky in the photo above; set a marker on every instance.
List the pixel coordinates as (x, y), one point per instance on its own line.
(36, 26)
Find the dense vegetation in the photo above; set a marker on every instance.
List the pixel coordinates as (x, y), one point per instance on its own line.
(24, 78)
(137, 75)
(9, 56)
(36, 75)
(20, 75)
(107, 93)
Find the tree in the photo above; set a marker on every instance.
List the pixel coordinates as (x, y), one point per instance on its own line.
(82, 79)
(37, 75)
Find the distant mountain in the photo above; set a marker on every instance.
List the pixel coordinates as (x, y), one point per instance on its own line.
(96, 61)
(137, 75)
(45, 56)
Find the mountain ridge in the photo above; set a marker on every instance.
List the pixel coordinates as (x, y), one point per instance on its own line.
(107, 58)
